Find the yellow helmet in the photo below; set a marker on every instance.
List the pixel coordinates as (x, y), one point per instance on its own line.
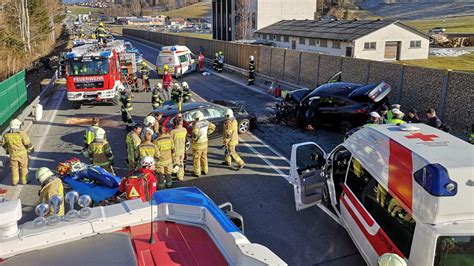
(166, 67)
(101, 24)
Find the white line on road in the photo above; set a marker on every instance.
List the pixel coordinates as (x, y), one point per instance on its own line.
(263, 157)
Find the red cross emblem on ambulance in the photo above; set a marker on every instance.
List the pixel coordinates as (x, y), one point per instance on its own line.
(421, 136)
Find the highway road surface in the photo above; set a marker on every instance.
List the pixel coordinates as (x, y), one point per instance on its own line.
(259, 192)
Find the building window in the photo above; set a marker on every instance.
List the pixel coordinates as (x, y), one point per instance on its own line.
(274, 37)
(312, 42)
(415, 44)
(323, 43)
(278, 38)
(389, 214)
(264, 36)
(259, 36)
(370, 45)
(302, 40)
(336, 44)
(286, 38)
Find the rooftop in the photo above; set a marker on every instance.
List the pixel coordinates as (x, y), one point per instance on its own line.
(342, 30)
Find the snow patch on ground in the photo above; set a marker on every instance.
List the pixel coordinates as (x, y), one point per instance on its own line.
(443, 52)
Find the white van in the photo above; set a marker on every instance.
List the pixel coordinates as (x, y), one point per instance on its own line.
(406, 189)
(178, 58)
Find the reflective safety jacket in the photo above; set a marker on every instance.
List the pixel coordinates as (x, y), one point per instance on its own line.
(89, 135)
(101, 32)
(17, 144)
(147, 148)
(126, 100)
(231, 132)
(145, 71)
(156, 98)
(51, 188)
(167, 80)
(179, 140)
(251, 66)
(132, 140)
(165, 146)
(395, 121)
(135, 185)
(100, 153)
(201, 130)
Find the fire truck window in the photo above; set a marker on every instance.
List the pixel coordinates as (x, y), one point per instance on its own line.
(86, 68)
(454, 250)
(387, 211)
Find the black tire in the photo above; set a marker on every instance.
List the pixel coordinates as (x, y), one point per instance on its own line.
(244, 126)
(326, 199)
(76, 105)
(345, 126)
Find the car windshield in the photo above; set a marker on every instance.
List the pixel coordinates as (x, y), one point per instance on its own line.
(165, 59)
(89, 67)
(128, 46)
(454, 250)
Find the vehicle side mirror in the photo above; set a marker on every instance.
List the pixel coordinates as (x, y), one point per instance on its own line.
(235, 217)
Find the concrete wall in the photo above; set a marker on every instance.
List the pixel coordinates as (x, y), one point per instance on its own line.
(451, 93)
(391, 33)
(272, 11)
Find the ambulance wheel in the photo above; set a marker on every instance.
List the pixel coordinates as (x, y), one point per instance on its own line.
(76, 105)
(345, 126)
(244, 126)
(326, 200)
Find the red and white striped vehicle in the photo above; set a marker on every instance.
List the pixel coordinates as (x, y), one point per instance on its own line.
(407, 190)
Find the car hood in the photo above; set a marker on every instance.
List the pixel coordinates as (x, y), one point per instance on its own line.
(298, 95)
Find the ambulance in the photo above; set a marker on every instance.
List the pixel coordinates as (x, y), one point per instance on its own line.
(179, 59)
(405, 190)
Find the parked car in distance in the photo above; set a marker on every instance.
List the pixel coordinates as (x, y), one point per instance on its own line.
(341, 104)
(213, 112)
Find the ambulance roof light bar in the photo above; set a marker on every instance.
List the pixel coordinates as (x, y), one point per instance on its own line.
(434, 178)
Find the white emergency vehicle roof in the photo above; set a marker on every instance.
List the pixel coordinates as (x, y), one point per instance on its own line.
(430, 172)
(94, 50)
(174, 48)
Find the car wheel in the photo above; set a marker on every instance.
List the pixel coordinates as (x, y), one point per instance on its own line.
(345, 126)
(326, 200)
(244, 126)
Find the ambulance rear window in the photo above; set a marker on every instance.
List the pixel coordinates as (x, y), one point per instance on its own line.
(165, 59)
(454, 250)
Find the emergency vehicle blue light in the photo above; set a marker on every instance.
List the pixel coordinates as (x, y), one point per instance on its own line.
(105, 54)
(70, 55)
(173, 48)
(434, 178)
(195, 197)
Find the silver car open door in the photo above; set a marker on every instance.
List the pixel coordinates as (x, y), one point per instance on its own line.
(307, 162)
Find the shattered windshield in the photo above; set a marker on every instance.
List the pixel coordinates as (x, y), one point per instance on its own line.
(89, 67)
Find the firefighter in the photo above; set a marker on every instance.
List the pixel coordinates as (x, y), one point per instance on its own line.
(126, 108)
(396, 117)
(231, 139)
(167, 82)
(17, 145)
(156, 97)
(177, 95)
(133, 140)
(145, 72)
(178, 134)
(220, 63)
(215, 62)
(390, 112)
(186, 92)
(100, 152)
(391, 259)
(149, 123)
(140, 181)
(374, 119)
(156, 125)
(164, 166)
(251, 70)
(82, 33)
(101, 33)
(50, 185)
(147, 147)
(199, 140)
(89, 134)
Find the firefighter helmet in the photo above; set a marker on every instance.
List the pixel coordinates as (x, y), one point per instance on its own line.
(159, 86)
(199, 116)
(390, 259)
(149, 120)
(100, 133)
(147, 161)
(166, 67)
(185, 85)
(15, 124)
(229, 113)
(251, 58)
(43, 174)
(101, 24)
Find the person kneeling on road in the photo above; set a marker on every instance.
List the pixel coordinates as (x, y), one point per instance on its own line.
(199, 141)
(231, 139)
(164, 166)
(50, 185)
(100, 152)
(141, 183)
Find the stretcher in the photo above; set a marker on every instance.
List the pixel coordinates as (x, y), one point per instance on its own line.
(97, 192)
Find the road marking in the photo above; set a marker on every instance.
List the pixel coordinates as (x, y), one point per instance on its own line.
(263, 157)
(46, 131)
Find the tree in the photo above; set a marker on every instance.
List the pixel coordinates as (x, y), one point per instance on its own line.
(244, 19)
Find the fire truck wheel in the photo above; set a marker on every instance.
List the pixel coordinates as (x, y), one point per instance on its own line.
(76, 105)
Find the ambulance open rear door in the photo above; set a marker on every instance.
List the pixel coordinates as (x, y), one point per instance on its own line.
(307, 162)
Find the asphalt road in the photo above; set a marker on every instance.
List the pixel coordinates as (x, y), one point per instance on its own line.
(259, 192)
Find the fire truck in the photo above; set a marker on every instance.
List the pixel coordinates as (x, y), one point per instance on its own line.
(93, 73)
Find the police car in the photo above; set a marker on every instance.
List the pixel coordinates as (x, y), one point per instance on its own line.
(406, 190)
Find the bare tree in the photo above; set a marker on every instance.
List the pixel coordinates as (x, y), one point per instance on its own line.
(244, 19)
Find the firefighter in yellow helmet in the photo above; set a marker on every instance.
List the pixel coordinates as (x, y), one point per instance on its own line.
(133, 140)
(100, 152)
(89, 134)
(199, 141)
(390, 259)
(164, 166)
(147, 147)
(50, 185)
(178, 135)
(17, 144)
(101, 33)
(231, 139)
